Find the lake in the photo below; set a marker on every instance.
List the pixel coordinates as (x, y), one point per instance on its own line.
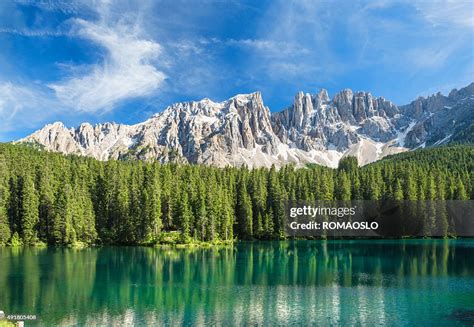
(371, 282)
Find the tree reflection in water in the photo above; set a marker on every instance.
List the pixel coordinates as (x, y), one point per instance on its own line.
(325, 282)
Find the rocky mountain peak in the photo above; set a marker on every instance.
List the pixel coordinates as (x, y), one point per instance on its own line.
(242, 131)
(467, 91)
(323, 95)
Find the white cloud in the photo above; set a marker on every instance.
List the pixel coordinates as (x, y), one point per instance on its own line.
(337, 40)
(430, 57)
(55, 5)
(9, 96)
(126, 71)
(270, 48)
(23, 106)
(30, 32)
(450, 12)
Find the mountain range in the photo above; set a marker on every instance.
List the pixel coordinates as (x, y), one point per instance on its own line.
(242, 130)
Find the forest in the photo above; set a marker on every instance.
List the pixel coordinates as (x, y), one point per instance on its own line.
(49, 198)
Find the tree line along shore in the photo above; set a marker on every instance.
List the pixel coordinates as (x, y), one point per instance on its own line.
(49, 198)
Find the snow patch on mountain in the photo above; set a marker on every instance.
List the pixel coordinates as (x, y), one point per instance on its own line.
(241, 130)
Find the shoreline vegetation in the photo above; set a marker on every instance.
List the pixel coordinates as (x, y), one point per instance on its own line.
(172, 239)
(195, 244)
(51, 199)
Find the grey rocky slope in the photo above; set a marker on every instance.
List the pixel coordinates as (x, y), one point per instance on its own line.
(241, 130)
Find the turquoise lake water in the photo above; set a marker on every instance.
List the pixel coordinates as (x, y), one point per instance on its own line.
(394, 283)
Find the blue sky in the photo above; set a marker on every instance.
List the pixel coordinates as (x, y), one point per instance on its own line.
(125, 60)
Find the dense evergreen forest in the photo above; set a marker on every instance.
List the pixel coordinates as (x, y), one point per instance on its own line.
(62, 200)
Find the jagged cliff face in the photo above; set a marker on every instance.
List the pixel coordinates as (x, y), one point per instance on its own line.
(439, 119)
(316, 122)
(241, 130)
(233, 132)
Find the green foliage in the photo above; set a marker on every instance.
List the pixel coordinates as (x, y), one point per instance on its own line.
(5, 232)
(244, 210)
(16, 240)
(6, 323)
(78, 201)
(29, 210)
(348, 164)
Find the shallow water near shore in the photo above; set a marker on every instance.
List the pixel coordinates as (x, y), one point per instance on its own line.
(366, 282)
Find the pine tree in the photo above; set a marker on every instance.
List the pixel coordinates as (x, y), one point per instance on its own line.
(343, 188)
(5, 232)
(326, 188)
(411, 188)
(14, 205)
(166, 198)
(201, 216)
(151, 201)
(29, 211)
(276, 201)
(83, 218)
(185, 216)
(398, 191)
(431, 188)
(46, 203)
(374, 191)
(49, 197)
(244, 211)
(226, 229)
(63, 231)
(460, 192)
(348, 164)
(120, 208)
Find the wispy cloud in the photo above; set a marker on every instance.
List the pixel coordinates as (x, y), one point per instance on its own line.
(67, 7)
(430, 57)
(447, 12)
(125, 72)
(33, 32)
(90, 57)
(399, 36)
(24, 106)
(269, 47)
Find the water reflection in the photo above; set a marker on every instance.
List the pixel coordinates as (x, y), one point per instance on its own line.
(333, 282)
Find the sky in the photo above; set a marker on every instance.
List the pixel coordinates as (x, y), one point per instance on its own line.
(123, 61)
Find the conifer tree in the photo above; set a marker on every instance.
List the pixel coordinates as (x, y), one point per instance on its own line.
(276, 202)
(29, 210)
(398, 191)
(151, 202)
(64, 199)
(226, 230)
(343, 187)
(120, 209)
(46, 203)
(460, 192)
(185, 216)
(348, 164)
(411, 187)
(5, 232)
(244, 211)
(63, 231)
